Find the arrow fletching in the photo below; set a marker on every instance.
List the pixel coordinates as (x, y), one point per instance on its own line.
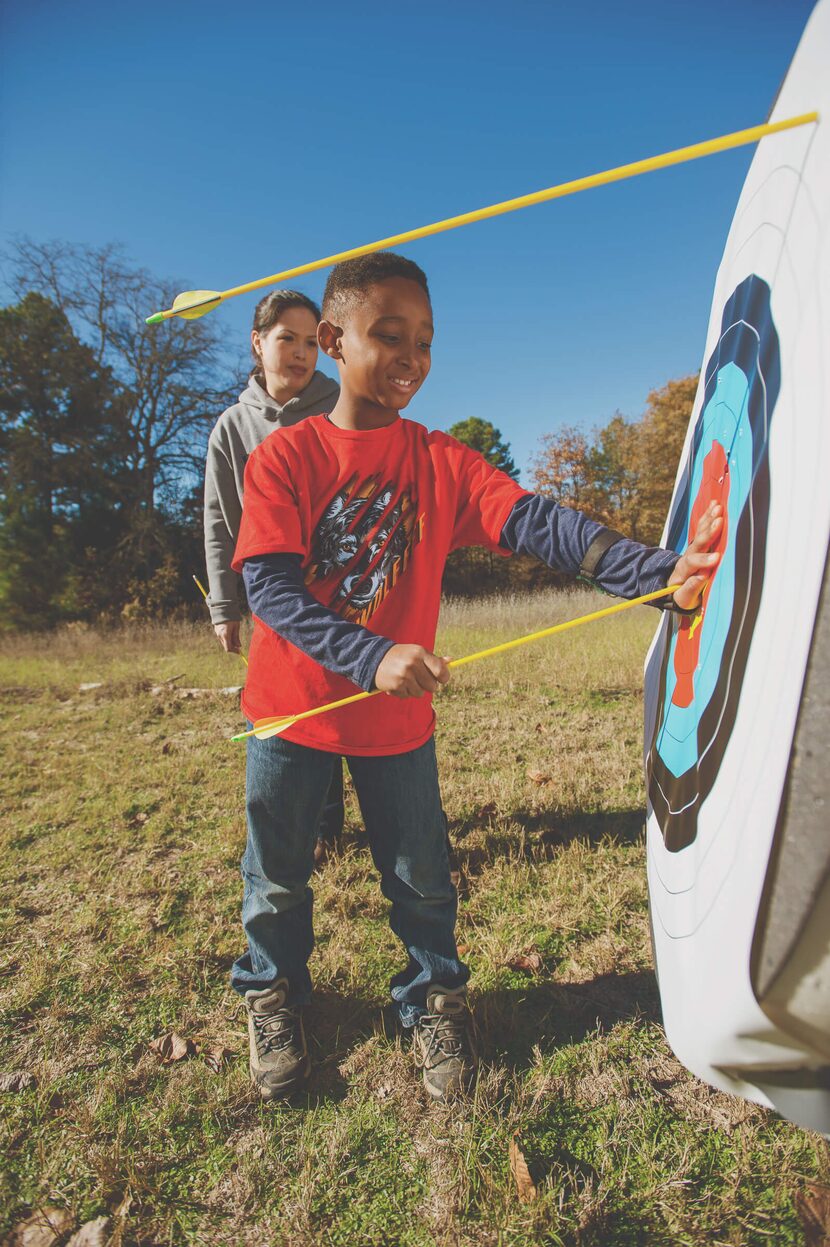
(190, 305)
(264, 728)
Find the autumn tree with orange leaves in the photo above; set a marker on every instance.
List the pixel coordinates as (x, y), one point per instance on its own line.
(623, 473)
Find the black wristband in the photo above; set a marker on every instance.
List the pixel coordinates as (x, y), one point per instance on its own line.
(602, 543)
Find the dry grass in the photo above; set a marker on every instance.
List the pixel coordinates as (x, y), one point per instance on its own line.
(122, 830)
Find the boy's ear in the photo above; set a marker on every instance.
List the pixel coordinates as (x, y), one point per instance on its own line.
(328, 338)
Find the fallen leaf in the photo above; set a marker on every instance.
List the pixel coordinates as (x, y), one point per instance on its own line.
(488, 810)
(93, 1234)
(525, 1186)
(529, 963)
(167, 747)
(463, 949)
(44, 1228)
(384, 1090)
(813, 1208)
(538, 777)
(217, 1057)
(172, 1047)
(17, 1080)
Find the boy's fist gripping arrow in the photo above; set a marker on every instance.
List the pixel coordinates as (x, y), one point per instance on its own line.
(411, 671)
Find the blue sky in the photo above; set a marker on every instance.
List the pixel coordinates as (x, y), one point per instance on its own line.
(221, 142)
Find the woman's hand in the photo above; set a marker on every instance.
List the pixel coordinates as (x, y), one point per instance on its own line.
(696, 565)
(228, 634)
(411, 671)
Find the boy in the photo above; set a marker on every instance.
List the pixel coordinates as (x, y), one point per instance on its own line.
(347, 523)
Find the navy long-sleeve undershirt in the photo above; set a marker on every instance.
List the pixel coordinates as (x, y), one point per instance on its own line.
(277, 595)
(557, 535)
(560, 537)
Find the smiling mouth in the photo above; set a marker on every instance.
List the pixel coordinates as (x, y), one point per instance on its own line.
(406, 385)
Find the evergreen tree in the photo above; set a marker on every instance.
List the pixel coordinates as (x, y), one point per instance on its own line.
(60, 461)
(484, 437)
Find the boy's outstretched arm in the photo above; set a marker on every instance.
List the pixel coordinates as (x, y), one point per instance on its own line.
(569, 541)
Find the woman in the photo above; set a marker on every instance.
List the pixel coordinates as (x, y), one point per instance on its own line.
(283, 388)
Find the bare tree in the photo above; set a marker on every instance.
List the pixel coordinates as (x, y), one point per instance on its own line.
(173, 377)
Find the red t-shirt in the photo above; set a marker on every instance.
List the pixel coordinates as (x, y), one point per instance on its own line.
(373, 515)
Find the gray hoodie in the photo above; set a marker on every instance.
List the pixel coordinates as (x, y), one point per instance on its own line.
(237, 432)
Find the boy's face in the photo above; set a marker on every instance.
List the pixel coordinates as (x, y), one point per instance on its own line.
(383, 346)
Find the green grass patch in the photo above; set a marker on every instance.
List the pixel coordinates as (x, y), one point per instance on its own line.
(121, 834)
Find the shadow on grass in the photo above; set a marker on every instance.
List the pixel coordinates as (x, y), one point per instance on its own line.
(335, 1024)
(544, 832)
(515, 1020)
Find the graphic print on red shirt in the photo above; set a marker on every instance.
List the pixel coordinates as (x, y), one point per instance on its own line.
(373, 515)
(362, 545)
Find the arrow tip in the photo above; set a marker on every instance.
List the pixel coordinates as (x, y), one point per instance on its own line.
(155, 319)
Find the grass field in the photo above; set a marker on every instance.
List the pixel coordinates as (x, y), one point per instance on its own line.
(123, 826)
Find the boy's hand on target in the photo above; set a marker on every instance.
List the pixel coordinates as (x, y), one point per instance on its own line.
(697, 564)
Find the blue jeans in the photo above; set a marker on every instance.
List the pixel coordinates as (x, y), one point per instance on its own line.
(287, 787)
(331, 825)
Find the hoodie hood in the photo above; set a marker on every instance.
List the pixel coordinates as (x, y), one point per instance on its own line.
(319, 395)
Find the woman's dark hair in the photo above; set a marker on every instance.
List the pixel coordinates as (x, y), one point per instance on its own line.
(269, 310)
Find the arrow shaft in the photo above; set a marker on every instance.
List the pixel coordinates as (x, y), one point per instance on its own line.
(309, 714)
(203, 592)
(680, 155)
(289, 720)
(563, 627)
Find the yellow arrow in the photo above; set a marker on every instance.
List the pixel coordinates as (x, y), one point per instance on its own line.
(194, 303)
(263, 728)
(203, 592)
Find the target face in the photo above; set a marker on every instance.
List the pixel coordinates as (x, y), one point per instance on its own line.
(736, 705)
(704, 656)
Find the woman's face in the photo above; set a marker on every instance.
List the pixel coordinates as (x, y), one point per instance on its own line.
(288, 351)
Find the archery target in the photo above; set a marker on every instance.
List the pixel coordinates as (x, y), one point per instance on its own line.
(724, 690)
(705, 656)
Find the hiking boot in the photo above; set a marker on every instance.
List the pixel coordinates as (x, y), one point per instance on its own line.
(443, 1041)
(279, 1056)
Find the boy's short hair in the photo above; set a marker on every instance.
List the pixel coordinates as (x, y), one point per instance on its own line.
(353, 276)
